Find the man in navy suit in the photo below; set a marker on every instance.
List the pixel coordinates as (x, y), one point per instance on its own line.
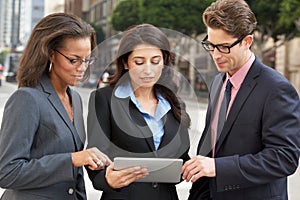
(248, 152)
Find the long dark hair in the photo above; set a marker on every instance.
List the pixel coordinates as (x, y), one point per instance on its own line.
(49, 34)
(149, 34)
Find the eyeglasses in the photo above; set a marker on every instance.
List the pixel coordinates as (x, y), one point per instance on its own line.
(221, 48)
(78, 62)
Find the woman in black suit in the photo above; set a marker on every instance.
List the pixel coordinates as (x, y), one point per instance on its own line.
(138, 115)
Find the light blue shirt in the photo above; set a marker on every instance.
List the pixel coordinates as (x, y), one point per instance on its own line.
(155, 122)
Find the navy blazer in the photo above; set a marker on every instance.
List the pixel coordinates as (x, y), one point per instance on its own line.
(117, 128)
(259, 144)
(36, 141)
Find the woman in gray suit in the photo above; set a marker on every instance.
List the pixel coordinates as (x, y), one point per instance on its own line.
(42, 133)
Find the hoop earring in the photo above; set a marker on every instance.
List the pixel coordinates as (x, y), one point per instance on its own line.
(50, 66)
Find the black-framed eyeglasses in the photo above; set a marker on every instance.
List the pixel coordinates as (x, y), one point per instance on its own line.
(221, 48)
(77, 61)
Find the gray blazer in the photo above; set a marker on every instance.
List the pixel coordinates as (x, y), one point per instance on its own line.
(36, 141)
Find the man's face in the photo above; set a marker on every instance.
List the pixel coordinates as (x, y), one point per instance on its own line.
(239, 53)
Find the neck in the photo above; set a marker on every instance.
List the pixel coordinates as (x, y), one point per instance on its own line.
(61, 89)
(145, 94)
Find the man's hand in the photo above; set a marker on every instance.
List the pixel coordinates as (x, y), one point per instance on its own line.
(198, 167)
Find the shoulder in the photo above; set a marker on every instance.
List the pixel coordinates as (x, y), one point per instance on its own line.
(25, 100)
(105, 91)
(272, 82)
(27, 93)
(272, 77)
(267, 75)
(101, 96)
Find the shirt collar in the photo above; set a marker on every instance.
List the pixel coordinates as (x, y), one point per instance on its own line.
(125, 90)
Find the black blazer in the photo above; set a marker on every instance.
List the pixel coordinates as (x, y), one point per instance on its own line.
(259, 144)
(117, 128)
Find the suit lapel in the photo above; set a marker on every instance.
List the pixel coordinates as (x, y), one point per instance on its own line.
(205, 144)
(246, 88)
(60, 109)
(78, 117)
(172, 138)
(125, 108)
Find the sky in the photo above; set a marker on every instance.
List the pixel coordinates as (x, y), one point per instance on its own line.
(53, 6)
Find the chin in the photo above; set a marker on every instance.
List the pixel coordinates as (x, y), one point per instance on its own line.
(223, 70)
(146, 85)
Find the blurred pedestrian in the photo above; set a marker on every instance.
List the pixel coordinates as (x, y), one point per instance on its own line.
(251, 142)
(42, 133)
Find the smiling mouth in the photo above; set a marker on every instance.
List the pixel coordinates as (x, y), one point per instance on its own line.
(220, 63)
(79, 76)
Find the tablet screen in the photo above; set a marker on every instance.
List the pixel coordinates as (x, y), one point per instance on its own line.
(167, 170)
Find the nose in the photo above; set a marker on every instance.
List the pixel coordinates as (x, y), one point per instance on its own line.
(82, 67)
(147, 68)
(216, 53)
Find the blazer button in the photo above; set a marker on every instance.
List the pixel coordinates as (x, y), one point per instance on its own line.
(154, 185)
(70, 191)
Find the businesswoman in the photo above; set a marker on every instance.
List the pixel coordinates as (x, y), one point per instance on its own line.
(138, 115)
(42, 133)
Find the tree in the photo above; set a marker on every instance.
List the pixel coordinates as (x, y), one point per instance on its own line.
(290, 13)
(125, 15)
(276, 17)
(270, 15)
(184, 16)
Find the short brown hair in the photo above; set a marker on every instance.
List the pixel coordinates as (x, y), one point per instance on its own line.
(232, 16)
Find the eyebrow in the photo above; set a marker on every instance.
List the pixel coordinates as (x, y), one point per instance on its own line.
(141, 57)
(220, 44)
(76, 56)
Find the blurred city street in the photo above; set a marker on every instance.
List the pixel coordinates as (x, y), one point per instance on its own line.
(197, 113)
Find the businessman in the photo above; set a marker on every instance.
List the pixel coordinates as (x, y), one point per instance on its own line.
(251, 140)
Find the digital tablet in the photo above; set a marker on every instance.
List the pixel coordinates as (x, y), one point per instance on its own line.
(161, 170)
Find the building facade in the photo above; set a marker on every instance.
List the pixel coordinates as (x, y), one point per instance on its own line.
(74, 7)
(99, 13)
(288, 63)
(17, 19)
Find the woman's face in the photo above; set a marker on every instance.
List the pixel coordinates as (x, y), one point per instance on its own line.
(145, 65)
(68, 62)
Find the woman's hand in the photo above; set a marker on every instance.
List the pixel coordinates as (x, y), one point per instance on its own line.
(122, 178)
(92, 157)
